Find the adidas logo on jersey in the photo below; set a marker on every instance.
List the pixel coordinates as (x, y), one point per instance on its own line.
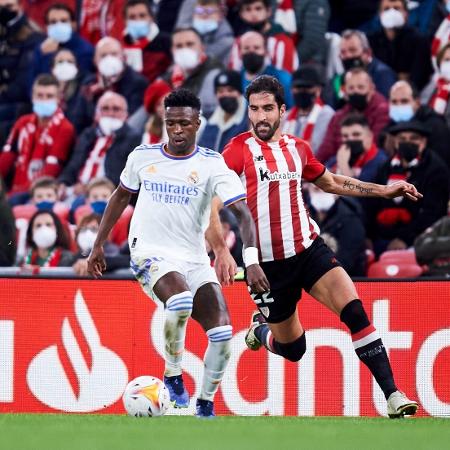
(266, 175)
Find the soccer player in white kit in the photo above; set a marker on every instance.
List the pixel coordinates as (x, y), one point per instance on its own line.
(175, 183)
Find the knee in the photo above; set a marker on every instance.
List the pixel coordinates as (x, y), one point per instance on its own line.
(180, 305)
(292, 351)
(354, 316)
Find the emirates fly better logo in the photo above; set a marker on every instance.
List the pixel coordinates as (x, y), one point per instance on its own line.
(100, 381)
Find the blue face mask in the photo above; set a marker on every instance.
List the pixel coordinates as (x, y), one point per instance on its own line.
(204, 26)
(138, 28)
(45, 206)
(99, 206)
(401, 113)
(61, 31)
(45, 108)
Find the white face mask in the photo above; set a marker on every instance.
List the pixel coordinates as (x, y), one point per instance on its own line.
(445, 70)
(392, 18)
(65, 71)
(322, 201)
(110, 124)
(44, 237)
(186, 58)
(110, 66)
(85, 240)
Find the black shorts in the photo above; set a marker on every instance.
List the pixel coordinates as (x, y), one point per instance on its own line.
(287, 278)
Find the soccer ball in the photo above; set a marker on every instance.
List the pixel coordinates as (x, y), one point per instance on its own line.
(146, 396)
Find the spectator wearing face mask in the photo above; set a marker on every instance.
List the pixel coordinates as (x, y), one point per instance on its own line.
(147, 49)
(230, 117)
(394, 224)
(39, 143)
(113, 74)
(404, 105)
(309, 118)
(256, 62)
(193, 69)
(400, 46)
(85, 236)
(358, 155)
(61, 34)
(362, 98)
(355, 51)
(256, 15)
(48, 244)
(101, 149)
(207, 17)
(341, 227)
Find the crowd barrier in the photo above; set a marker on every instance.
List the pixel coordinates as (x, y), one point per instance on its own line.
(72, 345)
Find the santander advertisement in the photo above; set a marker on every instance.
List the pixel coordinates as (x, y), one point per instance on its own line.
(72, 346)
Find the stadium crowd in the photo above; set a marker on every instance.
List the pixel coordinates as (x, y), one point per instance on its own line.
(367, 84)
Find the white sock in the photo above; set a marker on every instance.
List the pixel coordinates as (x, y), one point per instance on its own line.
(215, 360)
(177, 312)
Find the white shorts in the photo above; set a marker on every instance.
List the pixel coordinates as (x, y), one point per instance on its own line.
(149, 270)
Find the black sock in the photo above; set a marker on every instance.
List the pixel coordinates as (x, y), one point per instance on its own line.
(368, 346)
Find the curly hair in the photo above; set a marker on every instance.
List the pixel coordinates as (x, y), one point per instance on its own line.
(183, 98)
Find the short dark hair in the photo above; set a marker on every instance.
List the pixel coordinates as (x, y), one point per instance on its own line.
(182, 29)
(131, 3)
(354, 119)
(241, 3)
(46, 79)
(62, 239)
(182, 98)
(60, 6)
(266, 83)
(44, 182)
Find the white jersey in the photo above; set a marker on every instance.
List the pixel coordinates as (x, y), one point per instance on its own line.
(173, 207)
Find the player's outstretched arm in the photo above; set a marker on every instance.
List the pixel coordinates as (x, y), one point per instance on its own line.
(343, 185)
(256, 278)
(224, 264)
(114, 209)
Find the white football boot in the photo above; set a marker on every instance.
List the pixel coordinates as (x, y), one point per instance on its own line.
(398, 405)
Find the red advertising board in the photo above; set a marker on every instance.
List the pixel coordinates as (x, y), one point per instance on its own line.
(72, 345)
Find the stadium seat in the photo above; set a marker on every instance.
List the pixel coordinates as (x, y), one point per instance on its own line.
(394, 269)
(401, 256)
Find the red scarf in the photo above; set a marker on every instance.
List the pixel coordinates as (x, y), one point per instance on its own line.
(178, 76)
(366, 157)
(308, 130)
(441, 96)
(52, 259)
(441, 38)
(95, 160)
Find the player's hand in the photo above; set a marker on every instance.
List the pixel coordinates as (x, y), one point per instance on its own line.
(256, 279)
(225, 267)
(96, 263)
(402, 189)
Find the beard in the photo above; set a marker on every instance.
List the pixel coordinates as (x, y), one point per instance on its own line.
(264, 130)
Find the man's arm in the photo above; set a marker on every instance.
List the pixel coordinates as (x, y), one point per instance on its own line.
(342, 185)
(114, 209)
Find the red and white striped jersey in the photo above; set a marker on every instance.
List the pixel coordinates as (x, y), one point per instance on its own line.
(272, 173)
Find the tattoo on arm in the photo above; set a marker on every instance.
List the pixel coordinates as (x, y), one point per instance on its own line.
(353, 187)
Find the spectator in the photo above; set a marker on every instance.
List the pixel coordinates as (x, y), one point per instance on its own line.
(312, 18)
(85, 236)
(193, 69)
(400, 46)
(112, 75)
(18, 39)
(403, 106)
(230, 117)
(147, 49)
(7, 231)
(36, 9)
(361, 97)
(255, 61)
(48, 244)
(207, 17)
(394, 224)
(358, 155)
(256, 16)
(39, 143)
(341, 227)
(355, 51)
(61, 33)
(433, 248)
(351, 13)
(103, 148)
(309, 118)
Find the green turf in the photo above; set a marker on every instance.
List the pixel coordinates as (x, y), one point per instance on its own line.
(95, 432)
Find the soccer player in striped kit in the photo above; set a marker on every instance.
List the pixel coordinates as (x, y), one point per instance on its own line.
(292, 254)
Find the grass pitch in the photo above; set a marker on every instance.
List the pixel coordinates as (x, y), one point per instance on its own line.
(111, 432)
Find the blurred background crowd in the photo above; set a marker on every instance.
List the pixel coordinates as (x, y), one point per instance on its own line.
(367, 83)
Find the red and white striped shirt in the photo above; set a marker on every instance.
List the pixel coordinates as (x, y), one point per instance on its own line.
(272, 173)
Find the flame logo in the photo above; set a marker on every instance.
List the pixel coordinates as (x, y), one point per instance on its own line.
(152, 393)
(99, 374)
